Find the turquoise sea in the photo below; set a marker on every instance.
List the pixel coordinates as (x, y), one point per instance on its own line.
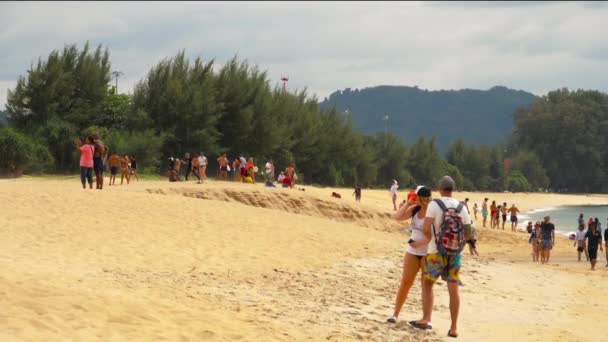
(565, 218)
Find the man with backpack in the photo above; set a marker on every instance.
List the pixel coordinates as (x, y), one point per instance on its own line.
(447, 221)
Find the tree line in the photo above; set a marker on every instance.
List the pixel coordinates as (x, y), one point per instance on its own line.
(190, 106)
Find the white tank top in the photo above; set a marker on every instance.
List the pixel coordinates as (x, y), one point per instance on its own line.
(417, 235)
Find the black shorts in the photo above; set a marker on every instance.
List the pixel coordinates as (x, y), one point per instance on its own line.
(97, 165)
(504, 218)
(472, 243)
(592, 253)
(114, 170)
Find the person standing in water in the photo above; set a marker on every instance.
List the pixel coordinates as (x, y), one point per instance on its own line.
(414, 258)
(394, 187)
(594, 239)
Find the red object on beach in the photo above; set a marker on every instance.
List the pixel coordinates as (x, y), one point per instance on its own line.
(412, 197)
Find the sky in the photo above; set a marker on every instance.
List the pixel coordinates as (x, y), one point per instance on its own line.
(326, 46)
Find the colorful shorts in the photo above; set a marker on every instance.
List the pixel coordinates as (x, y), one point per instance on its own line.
(546, 245)
(484, 213)
(446, 267)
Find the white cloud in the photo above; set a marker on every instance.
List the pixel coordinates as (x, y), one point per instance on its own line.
(325, 46)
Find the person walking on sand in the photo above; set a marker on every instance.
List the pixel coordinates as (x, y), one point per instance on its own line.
(99, 159)
(134, 168)
(414, 258)
(114, 166)
(124, 168)
(357, 193)
(87, 151)
(471, 238)
(484, 211)
(394, 187)
(202, 167)
(580, 242)
(503, 211)
(513, 211)
(547, 236)
(269, 171)
(187, 162)
(443, 215)
(594, 239)
(475, 210)
(492, 214)
(581, 219)
(223, 164)
(534, 240)
(606, 241)
(497, 217)
(290, 174)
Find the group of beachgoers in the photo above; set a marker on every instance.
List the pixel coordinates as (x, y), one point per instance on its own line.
(241, 170)
(588, 239)
(94, 159)
(440, 229)
(496, 213)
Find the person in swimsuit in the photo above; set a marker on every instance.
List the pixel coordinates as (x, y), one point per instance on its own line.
(497, 217)
(503, 211)
(114, 166)
(513, 210)
(594, 239)
(475, 210)
(492, 214)
(414, 258)
(580, 242)
(547, 236)
(534, 241)
(134, 168)
(484, 211)
(223, 164)
(394, 187)
(202, 167)
(124, 167)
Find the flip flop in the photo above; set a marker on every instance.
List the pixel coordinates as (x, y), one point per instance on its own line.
(421, 326)
(392, 319)
(452, 335)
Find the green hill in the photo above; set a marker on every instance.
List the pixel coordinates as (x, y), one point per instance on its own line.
(478, 116)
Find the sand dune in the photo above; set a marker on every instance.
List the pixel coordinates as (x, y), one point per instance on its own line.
(223, 261)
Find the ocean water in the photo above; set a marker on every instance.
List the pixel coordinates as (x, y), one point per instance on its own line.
(565, 218)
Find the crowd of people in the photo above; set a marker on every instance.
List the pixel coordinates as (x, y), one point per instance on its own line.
(94, 160)
(496, 213)
(241, 169)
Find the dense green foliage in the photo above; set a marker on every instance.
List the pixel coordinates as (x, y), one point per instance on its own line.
(19, 153)
(477, 116)
(182, 106)
(567, 131)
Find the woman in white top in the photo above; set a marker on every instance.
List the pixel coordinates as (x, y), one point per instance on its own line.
(415, 254)
(394, 188)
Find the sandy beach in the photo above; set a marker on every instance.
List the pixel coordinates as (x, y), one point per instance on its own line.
(156, 261)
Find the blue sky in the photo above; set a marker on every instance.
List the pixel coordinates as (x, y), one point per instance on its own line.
(325, 46)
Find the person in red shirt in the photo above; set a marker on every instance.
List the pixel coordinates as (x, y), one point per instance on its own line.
(86, 161)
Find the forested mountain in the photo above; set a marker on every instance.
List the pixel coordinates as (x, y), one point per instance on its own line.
(477, 116)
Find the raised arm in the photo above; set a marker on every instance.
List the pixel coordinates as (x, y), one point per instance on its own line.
(405, 212)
